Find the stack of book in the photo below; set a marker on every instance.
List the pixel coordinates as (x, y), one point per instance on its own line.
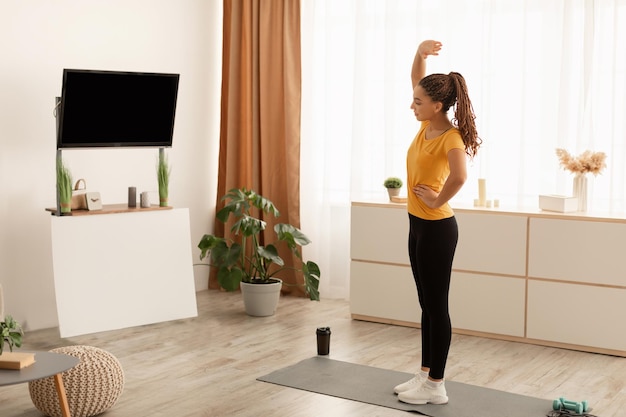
(16, 360)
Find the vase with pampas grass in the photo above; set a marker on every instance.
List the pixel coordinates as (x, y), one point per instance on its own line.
(163, 175)
(580, 166)
(64, 186)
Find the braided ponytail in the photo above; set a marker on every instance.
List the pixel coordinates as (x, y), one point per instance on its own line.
(464, 117)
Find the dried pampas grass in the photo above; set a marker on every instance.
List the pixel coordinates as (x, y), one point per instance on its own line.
(586, 162)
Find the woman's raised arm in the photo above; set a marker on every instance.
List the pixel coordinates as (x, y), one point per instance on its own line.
(418, 70)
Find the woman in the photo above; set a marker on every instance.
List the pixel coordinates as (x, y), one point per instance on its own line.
(436, 171)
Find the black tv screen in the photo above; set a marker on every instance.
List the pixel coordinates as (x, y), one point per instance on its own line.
(116, 109)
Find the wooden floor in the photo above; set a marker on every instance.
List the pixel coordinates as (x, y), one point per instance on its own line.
(207, 366)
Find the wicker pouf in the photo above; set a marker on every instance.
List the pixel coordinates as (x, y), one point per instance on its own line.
(92, 387)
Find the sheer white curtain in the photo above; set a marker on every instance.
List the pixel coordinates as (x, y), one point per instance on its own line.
(541, 75)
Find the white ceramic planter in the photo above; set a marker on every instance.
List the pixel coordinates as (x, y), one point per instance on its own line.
(393, 192)
(261, 300)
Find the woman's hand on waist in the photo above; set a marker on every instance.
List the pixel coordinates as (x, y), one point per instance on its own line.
(427, 195)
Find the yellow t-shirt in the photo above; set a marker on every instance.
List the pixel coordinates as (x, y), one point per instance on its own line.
(427, 163)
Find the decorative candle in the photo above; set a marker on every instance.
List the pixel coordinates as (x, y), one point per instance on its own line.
(482, 191)
(145, 200)
(132, 197)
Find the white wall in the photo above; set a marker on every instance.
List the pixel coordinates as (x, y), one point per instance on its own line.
(39, 38)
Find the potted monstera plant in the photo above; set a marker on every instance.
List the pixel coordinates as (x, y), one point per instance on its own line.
(245, 263)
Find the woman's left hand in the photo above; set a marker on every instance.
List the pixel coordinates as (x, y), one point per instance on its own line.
(429, 47)
(426, 194)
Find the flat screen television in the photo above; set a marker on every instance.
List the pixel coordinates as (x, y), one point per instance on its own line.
(116, 109)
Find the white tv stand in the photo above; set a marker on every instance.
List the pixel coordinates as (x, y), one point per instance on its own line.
(121, 267)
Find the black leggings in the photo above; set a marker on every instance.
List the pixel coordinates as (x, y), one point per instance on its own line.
(431, 250)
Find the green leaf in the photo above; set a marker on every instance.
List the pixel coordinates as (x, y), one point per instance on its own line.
(223, 214)
(248, 226)
(264, 204)
(312, 274)
(15, 339)
(224, 255)
(292, 235)
(270, 253)
(207, 243)
(229, 279)
(11, 333)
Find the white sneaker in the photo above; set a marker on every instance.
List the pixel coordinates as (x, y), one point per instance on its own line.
(414, 382)
(427, 392)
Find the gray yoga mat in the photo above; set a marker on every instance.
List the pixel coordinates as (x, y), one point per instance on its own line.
(371, 385)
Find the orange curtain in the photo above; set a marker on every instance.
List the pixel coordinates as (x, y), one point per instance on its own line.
(260, 110)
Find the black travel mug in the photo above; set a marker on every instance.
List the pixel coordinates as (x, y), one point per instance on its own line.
(323, 340)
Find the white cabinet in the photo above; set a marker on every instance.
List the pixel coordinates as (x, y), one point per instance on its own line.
(528, 276)
(487, 303)
(577, 282)
(584, 315)
(493, 244)
(119, 270)
(379, 234)
(580, 251)
(385, 292)
(383, 288)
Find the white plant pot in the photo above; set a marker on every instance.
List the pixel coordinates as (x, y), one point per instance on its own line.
(261, 300)
(393, 192)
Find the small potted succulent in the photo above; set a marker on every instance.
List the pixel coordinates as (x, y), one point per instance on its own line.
(393, 185)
